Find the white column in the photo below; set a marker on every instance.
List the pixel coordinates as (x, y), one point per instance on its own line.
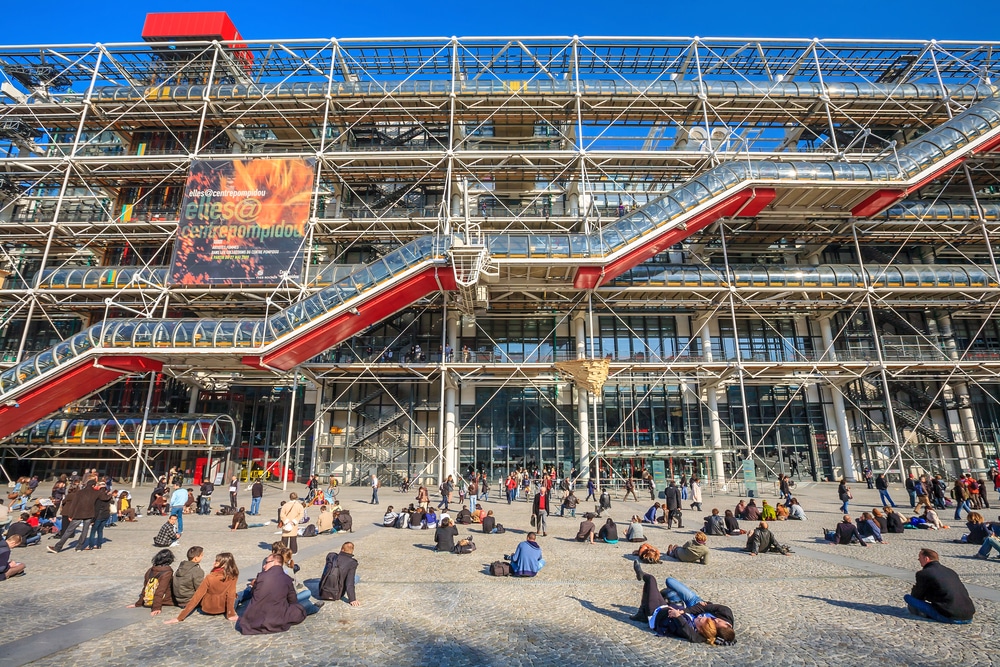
(837, 398)
(712, 398)
(450, 409)
(582, 396)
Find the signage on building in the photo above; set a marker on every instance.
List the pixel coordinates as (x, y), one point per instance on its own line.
(750, 477)
(243, 222)
(660, 473)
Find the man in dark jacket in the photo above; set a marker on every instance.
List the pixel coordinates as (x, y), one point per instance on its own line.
(256, 493)
(82, 508)
(339, 576)
(274, 606)
(673, 504)
(939, 594)
(205, 499)
(761, 540)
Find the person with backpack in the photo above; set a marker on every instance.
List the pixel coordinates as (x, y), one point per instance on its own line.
(157, 589)
(339, 576)
(630, 489)
(526, 561)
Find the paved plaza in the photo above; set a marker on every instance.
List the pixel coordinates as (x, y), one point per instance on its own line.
(821, 605)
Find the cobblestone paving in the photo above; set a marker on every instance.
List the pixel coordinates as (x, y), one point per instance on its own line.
(424, 608)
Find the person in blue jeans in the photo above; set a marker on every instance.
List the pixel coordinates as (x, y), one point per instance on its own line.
(844, 493)
(882, 484)
(939, 594)
(677, 610)
(177, 500)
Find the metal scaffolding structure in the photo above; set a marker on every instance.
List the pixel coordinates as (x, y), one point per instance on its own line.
(783, 248)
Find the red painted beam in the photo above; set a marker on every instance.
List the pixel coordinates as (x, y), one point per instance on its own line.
(345, 325)
(877, 202)
(590, 277)
(63, 388)
(759, 200)
(990, 145)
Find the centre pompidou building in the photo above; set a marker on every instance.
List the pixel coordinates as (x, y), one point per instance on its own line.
(424, 256)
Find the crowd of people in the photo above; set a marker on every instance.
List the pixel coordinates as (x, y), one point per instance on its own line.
(275, 599)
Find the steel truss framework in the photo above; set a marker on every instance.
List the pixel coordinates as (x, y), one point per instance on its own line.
(885, 322)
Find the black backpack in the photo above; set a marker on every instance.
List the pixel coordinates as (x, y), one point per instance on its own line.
(499, 568)
(310, 531)
(499, 529)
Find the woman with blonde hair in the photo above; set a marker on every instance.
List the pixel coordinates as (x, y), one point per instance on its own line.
(217, 592)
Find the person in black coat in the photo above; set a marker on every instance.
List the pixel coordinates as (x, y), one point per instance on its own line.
(893, 521)
(678, 611)
(339, 576)
(444, 536)
(274, 606)
(673, 505)
(939, 594)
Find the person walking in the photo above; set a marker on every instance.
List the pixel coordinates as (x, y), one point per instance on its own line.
(375, 487)
(540, 509)
(911, 490)
(844, 493)
(882, 484)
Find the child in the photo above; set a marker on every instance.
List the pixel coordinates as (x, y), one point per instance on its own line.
(188, 576)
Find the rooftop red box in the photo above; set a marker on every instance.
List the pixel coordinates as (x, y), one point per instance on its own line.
(166, 26)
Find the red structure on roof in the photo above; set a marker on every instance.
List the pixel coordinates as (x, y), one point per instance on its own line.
(167, 26)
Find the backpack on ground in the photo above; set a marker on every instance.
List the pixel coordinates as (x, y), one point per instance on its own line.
(499, 568)
(149, 591)
(499, 529)
(310, 531)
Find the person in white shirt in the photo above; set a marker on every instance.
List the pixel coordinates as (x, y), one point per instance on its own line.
(177, 500)
(375, 485)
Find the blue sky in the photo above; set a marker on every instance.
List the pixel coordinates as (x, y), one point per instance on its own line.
(61, 21)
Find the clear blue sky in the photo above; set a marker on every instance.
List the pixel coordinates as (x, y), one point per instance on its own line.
(62, 21)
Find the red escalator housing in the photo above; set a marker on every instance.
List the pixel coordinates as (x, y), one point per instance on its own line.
(72, 384)
(343, 326)
(746, 203)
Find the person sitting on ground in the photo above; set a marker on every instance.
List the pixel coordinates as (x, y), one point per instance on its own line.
(992, 540)
(751, 513)
(781, 512)
(762, 540)
(879, 518)
(845, 533)
(650, 515)
(464, 516)
(239, 521)
(569, 503)
(605, 500)
(431, 518)
(217, 592)
(979, 530)
(714, 524)
(489, 522)
(609, 532)
(157, 585)
(939, 594)
(188, 577)
(767, 512)
(339, 576)
(343, 521)
(587, 529)
(635, 532)
(478, 514)
(29, 535)
(869, 530)
(418, 519)
(324, 522)
(741, 508)
(795, 511)
(733, 524)
(893, 520)
(692, 551)
(526, 561)
(9, 568)
(274, 606)
(167, 535)
(444, 536)
(389, 518)
(697, 621)
(931, 521)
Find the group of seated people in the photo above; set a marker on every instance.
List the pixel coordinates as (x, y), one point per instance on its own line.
(869, 529)
(608, 533)
(416, 518)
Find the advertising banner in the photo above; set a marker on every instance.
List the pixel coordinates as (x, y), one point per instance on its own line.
(243, 222)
